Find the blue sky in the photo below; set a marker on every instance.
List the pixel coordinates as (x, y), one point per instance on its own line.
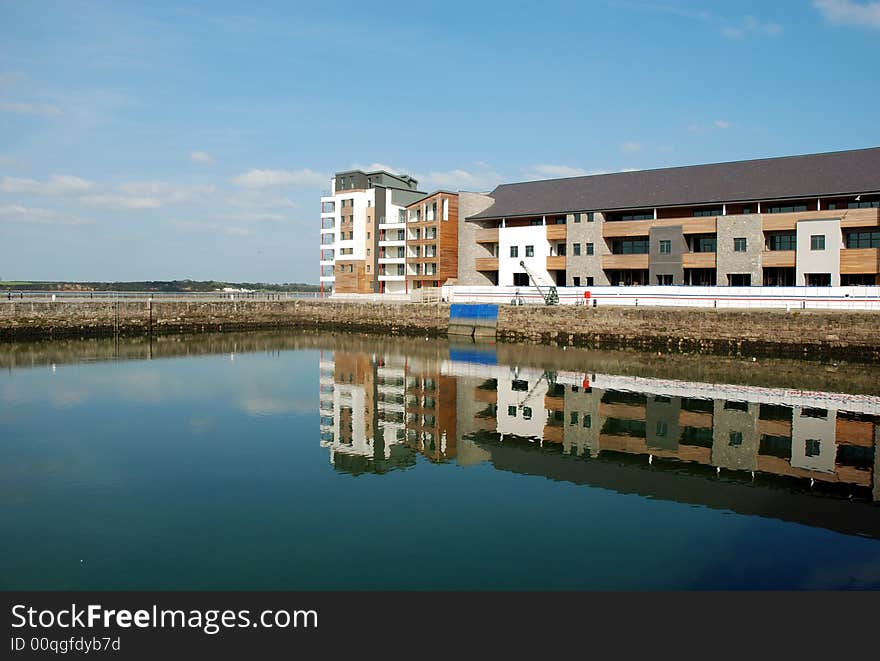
(193, 140)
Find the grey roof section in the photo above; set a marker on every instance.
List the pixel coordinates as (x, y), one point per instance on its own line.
(789, 177)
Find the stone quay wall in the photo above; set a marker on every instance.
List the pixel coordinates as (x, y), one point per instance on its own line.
(810, 334)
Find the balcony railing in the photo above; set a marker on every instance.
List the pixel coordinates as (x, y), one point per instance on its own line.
(489, 235)
(860, 260)
(625, 261)
(698, 260)
(778, 258)
(486, 263)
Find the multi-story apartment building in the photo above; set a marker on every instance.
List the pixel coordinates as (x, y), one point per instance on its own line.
(797, 220)
(432, 240)
(363, 231)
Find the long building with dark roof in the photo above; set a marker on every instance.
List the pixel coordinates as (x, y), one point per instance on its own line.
(807, 220)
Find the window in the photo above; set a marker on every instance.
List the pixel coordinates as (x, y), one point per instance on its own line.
(560, 249)
(811, 447)
(368, 268)
(863, 239)
(536, 222)
(589, 248)
(368, 252)
(736, 439)
(576, 249)
(665, 246)
(704, 244)
(787, 241)
(791, 208)
(573, 417)
(739, 279)
(527, 412)
(740, 244)
(638, 215)
(514, 251)
(589, 281)
(747, 210)
(701, 213)
(817, 242)
(511, 411)
(629, 246)
(664, 279)
(401, 269)
(520, 279)
(577, 217)
(588, 421)
(445, 208)
(577, 281)
(530, 251)
(863, 205)
(661, 429)
(818, 279)
(590, 217)
(832, 206)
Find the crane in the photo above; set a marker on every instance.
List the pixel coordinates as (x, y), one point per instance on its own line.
(551, 297)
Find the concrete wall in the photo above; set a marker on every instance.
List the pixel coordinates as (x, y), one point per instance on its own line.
(662, 429)
(730, 227)
(666, 263)
(535, 236)
(818, 261)
(468, 248)
(586, 266)
(742, 456)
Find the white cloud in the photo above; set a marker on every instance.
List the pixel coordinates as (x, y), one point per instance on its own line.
(37, 109)
(722, 124)
(115, 201)
(557, 171)
(202, 158)
(269, 178)
(630, 147)
(460, 180)
(148, 195)
(846, 12)
(57, 184)
(213, 227)
(17, 213)
(372, 167)
(260, 199)
(751, 26)
(7, 161)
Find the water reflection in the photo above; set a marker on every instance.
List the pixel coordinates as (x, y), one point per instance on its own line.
(681, 440)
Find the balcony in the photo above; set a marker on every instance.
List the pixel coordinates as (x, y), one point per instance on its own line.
(860, 260)
(556, 232)
(774, 222)
(487, 235)
(486, 263)
(625, 261)
(689, 225)
(328, 223)
(778, 258)
(698, 260)
(556, 263)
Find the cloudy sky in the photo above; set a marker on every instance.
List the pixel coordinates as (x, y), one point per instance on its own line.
(180, 139)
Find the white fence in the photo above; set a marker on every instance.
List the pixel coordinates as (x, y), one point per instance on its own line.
(785, 298)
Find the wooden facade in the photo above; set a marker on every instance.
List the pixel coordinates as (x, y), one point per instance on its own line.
(432, 258)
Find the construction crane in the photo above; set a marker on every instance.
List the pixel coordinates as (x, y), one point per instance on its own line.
(549, 377)
(551, 297)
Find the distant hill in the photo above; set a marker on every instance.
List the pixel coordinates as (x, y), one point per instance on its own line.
(155, 285)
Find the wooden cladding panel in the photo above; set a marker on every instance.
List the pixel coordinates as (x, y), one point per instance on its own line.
(556, 263)
(489, 235)
(860, 260)
(698, 260)
(625, 262)
(486, 263)
(626, 228)
(556, 232)
(778, 258)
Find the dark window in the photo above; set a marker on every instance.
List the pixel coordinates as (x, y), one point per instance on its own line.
(520, 279)
(618, 427)
(864, 205)
(638, 215)
(589, 248)
(511, 411)
(747, 210)
(736, 438)
(530, 251)
(739, 279)
(589, 281)
(577, 217)
(818, 279)
(717, 211)
(664, 279)
(629, 246)
(576, 249)
(863, 239)
(527, 412)
(787, 241)
(665, 246)
(519, 385)
(535, 222)
(514, 251)
(704, 244)
(817, 242)
(699, 436)
(573, 417)
(588, 420)
(814, 413)
(775, 446)
(590, 217)
(661, 429)
(577, 281)
(560, 250)
(560, 220)
(811, 447)
(736, 406)
(791, 208)
(740, 244)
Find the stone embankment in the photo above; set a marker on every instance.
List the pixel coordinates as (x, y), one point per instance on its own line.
(811, 334)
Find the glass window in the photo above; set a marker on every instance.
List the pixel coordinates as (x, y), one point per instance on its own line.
(638, 215)
(736, 438)
(629, 246)
(717, 211)
(590, 217)
(577, 281)
(740, 244)
(787, 241)
(864, 205)
(577, 217)
(514, 251)
(530, 251)
(588, 420)
(511, 411)
(665, 246)
(535, 222)
(811, 447)
(863, 239)
(817, 242)
(527, 413)
(573, 417)
(589, 248)
(790, 208)
(576, 248)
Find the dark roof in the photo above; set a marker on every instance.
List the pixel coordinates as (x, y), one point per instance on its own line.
(429, 195)
(789, 177)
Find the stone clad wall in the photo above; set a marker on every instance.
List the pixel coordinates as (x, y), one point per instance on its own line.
(669, 330)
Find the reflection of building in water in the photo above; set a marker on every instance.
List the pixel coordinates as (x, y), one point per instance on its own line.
(823, 437)
(362, 412)
(377, 413)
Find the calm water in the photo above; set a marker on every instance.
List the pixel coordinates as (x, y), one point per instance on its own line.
(332, 462)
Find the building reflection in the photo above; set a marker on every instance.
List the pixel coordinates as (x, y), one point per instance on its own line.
(379, 413)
